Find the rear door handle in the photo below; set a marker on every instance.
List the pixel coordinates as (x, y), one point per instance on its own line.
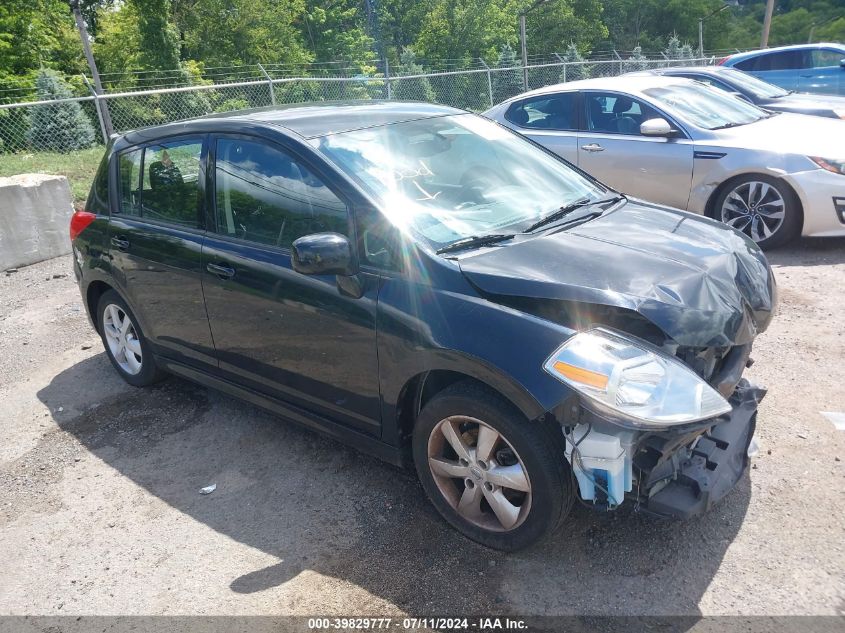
(592, 147)
(222, 271)
(121, 243)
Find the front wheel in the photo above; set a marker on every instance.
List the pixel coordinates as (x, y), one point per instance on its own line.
(762, 207)
(498, 478)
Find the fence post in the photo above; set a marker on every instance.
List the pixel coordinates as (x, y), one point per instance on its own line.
(621, 67)
(489, 81)
(97, 106)
(562, 61)
(387, 78)
(270, 84)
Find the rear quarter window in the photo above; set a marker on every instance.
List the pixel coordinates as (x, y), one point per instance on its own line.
(98, 197)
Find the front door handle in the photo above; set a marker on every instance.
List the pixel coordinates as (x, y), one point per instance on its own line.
(592, 147)
(222, 271)
(120, 243)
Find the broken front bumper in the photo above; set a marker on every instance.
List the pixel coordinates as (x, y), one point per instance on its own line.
(711, 468)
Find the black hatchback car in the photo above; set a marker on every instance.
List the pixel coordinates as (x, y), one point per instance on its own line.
(429, 287)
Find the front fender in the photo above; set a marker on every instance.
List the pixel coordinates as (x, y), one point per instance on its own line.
(423, 328)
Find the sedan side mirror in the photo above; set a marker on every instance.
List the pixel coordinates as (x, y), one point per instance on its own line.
(323, 254)
(656, 127)
(842, 64)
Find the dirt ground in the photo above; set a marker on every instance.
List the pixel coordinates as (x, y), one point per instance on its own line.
(100, 511)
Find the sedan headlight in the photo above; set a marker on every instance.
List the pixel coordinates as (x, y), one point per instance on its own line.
(622, 376)
(836, 165)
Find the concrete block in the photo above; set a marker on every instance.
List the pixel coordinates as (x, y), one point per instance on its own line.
(35, 212)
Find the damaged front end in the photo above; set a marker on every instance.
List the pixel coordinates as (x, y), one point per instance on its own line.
(670, 433)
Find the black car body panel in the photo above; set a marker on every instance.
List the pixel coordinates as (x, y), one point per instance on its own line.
(354, 356)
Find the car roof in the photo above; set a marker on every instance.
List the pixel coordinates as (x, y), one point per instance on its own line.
(308, 120)
(791, 47)
(624, 83)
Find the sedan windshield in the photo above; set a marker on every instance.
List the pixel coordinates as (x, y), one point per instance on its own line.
(761, 89)
(705, 107)
(453, 177)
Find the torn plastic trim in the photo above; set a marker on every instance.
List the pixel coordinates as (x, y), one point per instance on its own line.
(716, 461)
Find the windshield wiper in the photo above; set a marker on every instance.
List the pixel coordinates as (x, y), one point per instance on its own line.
(565, 210)
(475, 240)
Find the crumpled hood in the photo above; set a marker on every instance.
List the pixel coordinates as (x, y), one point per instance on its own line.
(702, 283)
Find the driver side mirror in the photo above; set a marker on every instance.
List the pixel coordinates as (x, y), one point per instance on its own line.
(842, 64)
(656, 127)
(323, 254)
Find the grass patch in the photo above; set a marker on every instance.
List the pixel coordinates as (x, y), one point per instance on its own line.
(78, 167)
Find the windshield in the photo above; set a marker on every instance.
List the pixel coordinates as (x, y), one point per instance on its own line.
(452, 177)
(760, 88)
(705, 107)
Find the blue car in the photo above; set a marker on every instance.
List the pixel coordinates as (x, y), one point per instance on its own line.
(818, 68)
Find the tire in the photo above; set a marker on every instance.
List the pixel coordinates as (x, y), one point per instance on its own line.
(476, 414)
(753, 204)
(137, 367)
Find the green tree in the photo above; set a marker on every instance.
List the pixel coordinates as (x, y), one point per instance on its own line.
(637, 61)
(575, 68)
(418, 89)
(506, 83)
(58, 127)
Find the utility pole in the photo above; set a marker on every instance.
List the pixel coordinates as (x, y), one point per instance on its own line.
(522, 39)
(767, 23)
(86, 46)
(524, 51)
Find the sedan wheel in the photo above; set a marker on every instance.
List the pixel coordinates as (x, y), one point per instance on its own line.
(762, 207)
(122, 339)
(479, 473)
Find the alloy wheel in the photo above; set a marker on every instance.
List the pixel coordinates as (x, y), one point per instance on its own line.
(756, 208)
(122, 339)
(479, 473)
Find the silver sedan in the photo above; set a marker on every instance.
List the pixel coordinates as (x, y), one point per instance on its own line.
(681, 143)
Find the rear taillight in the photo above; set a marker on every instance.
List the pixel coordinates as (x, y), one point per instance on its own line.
(723, 60)
(79, 221)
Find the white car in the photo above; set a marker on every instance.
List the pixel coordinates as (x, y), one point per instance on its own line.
(681, 143)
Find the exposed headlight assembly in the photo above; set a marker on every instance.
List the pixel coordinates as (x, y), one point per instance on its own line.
(836, 165)
(635, 384)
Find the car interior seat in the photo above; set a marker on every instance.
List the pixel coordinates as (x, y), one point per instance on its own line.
(624, 121)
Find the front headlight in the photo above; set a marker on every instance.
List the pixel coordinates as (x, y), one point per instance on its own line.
(836, 165)
(626, 377)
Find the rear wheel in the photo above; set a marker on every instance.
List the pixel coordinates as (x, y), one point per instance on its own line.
(496, 477)
(762, 207)
(125, 344)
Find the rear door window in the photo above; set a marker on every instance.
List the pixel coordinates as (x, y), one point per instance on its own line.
(264, 195)
(171, 190)
(161, 182)
(546, 112)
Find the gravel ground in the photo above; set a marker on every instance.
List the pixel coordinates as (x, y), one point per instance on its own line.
(100, 511)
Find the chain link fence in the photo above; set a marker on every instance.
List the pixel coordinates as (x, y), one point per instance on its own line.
(66, 124)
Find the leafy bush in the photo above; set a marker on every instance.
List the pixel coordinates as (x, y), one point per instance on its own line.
(61, 126)
(637, 61)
